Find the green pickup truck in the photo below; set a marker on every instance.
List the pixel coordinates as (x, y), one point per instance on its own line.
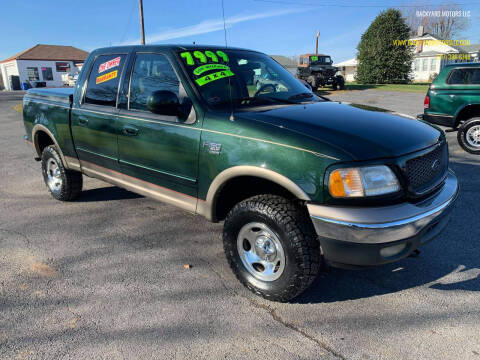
(453, 100)
(298, 180)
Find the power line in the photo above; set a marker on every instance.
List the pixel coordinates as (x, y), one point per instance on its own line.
(129, 21)
(285, 2)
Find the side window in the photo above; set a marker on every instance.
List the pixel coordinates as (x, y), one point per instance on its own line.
(152, 72)
(464, 76)
(102, 84)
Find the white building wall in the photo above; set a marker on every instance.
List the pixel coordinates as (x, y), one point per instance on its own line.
(57, 76)
(8, 68)
(419, 74)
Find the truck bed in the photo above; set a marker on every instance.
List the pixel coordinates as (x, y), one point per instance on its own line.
(57, 95)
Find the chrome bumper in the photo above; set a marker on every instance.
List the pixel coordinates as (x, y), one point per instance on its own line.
(379, 225)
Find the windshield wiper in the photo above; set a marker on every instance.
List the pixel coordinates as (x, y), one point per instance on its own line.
(301, 96)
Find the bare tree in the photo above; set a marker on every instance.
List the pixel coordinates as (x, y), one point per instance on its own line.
(439, 21)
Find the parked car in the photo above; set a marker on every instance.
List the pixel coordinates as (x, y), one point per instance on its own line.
(318, 71)
(69, 79)
(298, 180)
(453, 100)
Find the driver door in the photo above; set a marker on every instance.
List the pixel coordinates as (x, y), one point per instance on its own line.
(160, 150)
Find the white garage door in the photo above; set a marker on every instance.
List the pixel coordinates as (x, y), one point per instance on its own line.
(9, 70)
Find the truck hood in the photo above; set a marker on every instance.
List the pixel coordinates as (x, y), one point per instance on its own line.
(363, 132)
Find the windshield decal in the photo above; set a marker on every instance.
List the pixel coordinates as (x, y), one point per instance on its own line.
(106, 77)
(314, 58)
(211, 55)
(200, 56)
(203, 57)
(204, 68)
(109, 64)
(188, 57)
(212, 77)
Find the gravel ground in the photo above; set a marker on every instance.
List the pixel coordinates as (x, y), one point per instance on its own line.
(103, 277)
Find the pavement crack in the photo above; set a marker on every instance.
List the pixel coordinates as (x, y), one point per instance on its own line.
(275, 316)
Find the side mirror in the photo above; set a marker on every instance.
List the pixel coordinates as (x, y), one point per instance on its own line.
(163, 102)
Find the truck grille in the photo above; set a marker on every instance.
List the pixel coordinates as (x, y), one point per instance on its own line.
(425, 172)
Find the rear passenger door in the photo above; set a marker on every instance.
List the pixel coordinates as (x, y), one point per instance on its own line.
(94, 122)
(160, 150)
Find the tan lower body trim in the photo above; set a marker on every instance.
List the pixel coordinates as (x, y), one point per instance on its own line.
(138, 186)
(72, 163)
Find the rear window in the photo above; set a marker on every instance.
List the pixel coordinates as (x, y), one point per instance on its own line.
(466, 76)
(102, 84)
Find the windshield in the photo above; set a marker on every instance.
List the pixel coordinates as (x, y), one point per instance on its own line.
(242, 79)
(320, 60)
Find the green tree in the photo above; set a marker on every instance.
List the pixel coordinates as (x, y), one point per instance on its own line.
(381, 59)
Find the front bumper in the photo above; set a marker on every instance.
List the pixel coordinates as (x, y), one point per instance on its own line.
(378, 235)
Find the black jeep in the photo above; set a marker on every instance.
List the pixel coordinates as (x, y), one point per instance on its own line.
(317, 70)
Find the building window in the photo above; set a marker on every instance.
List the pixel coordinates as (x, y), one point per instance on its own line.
(433, 64)
(301, 60)
(63, 66)
(416, 65)
(47, 74)
(32, 74)
(425, 65)
(103, 82)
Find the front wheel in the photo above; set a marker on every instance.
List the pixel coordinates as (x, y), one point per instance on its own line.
(63, 184)
(468, 136)
(272, 247)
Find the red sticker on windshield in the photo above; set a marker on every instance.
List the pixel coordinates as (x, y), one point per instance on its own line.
(109, 64)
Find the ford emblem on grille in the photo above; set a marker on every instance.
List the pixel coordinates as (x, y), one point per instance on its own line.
(435, 165)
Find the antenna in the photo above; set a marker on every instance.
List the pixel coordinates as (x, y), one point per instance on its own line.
(232, 118)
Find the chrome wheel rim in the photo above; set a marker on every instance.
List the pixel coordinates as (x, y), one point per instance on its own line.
(473, 136)
(261, 251)
(54, 176)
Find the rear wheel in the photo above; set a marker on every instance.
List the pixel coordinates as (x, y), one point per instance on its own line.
(468, 136)
(63, 184)
(272, 247)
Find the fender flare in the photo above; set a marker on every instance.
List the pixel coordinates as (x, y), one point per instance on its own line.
(455, 116)
(39, 127)
(207, 207)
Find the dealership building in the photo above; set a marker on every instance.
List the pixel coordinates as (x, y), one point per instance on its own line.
(41, 65)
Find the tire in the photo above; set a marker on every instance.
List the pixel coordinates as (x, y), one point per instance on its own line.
(267, 220)
(63, 184)
(468, 136)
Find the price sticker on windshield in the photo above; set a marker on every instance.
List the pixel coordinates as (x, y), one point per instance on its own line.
(214, 76)
(203, 57)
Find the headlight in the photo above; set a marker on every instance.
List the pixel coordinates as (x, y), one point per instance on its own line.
(362, 181)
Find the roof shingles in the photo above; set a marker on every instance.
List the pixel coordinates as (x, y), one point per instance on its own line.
(50, 52)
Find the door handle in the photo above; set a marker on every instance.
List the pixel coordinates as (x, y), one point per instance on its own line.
(82, 121)
(130, 130)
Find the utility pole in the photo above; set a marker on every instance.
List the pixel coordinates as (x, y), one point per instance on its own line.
(316, 46)
(142, 28)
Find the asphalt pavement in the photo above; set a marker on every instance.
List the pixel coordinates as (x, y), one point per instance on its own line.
(104, 277)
